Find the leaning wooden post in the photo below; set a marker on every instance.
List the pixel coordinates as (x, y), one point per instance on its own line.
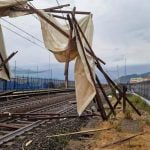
(124, 99)
(120, 92)
(48, 21)
(98, 98)
(68, 52)
(106, 98)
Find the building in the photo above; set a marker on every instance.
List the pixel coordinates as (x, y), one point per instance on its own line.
(136, 80)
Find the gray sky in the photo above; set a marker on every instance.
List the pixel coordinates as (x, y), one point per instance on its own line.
(122, 29)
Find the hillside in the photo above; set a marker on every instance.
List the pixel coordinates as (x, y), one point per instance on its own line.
(125, 79)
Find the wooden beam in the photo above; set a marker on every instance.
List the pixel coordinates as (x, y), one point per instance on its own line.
(95, 57)
(105, 96)
(48, 21)
(7, 59)
(123, 140)
(56, 7)
(69, 12)
(68, 52)
(52, 10)
(5, 67)
(59, 17)
(98, 98)
(79, 132)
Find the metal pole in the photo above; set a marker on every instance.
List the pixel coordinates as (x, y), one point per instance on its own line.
(15, 76)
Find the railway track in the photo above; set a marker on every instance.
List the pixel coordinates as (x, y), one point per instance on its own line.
(17, 124)
(61, 106)
(31, 104)
(21, 94)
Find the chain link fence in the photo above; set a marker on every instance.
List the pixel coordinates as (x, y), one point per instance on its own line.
(30, 83)
(141, 88)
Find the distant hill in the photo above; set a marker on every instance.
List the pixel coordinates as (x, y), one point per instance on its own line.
(126, 79)
(58, 71)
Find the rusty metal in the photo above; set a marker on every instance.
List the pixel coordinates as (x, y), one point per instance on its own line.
(13, 94)
(11, 126)
(26, 114)
(61, 117)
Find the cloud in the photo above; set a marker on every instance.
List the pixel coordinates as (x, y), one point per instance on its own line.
(122, 29)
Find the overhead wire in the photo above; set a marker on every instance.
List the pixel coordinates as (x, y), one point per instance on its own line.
(62, 14)
(21, 30)
(22, 36)
(23, 7)
(33, 14)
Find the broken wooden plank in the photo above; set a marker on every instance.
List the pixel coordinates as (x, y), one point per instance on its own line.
(48, 21)
(79, 132)
(123, 140)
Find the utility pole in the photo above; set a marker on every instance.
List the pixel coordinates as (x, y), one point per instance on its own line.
(37, 71)
(49, 66)
(37, 81)
(15, 75)
(125, 71)
(51, 73)
(118, 73)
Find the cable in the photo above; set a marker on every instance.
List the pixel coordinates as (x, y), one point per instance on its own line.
(22, 36)
(21, 30)
(33, 14)
(23, 7)
(62, 14)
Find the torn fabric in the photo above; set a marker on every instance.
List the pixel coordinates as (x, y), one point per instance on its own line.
(4, 71)
(58, 44)
(7, 8)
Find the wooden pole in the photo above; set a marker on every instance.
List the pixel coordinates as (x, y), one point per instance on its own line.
(48, 21)
(51, 11)
(118, 101)
(68, 52)
(98, 98)
(102, 71)
(103, 91)
(124, 99)
(7, 59)
(95, 56)
(123, 140)
(79, 132)
(5, 67)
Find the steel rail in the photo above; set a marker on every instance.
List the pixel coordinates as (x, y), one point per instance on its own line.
(28, 103)
(22, 130)
(34, 93)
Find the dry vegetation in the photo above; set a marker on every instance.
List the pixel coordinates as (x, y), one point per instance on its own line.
(123, 126)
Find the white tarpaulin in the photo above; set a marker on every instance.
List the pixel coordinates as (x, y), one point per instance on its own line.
(4, 71)
(58, 44)
(7, 8)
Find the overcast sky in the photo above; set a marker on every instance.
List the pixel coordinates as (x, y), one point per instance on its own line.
(122, 29)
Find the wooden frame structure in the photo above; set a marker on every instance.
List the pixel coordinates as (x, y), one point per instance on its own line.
(71, 18)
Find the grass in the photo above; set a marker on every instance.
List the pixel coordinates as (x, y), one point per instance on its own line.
(139, 103)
